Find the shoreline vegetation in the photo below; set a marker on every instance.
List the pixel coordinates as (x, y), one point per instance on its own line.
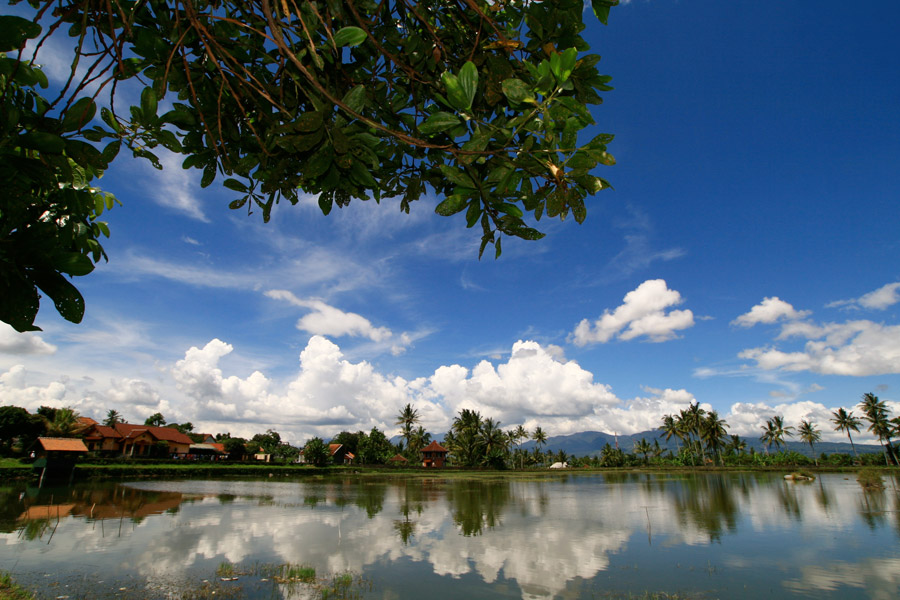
(13, 469)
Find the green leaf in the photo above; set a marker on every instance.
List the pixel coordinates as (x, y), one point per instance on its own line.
(73, 263)
(517, 91)
(355, 99)
(528, 233)
(65, 296)
(309, 121)
(15, 31)
(234, 184)
(438, 122)
(468, 79)
(149, 103)
(601, 9)
(510, 209)
(457, 176)
(209, 174)
(110, 119)
(42, 142)
(325, 204)
(79, 114)
(456, 95)
(451, 205)
(473, 213)
(349, 36)
(567, 63)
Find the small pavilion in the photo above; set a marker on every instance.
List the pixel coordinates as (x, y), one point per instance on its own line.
(434, 455)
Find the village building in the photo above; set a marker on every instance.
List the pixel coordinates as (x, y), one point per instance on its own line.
(127, 439)
(434, 455)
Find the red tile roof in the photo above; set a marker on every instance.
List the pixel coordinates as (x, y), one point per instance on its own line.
(168, 434)
(434, 447)
(332, 448)
(62, 444)
(398, 458)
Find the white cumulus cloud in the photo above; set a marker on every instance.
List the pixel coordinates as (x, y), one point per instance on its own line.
(769, 311)
(642, 313)
(885, 296)
(13, 342)
(328, 320)
(855, 348)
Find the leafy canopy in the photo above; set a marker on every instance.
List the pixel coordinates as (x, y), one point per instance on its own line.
(483, 104)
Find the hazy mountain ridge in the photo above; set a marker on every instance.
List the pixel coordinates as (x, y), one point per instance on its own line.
(590, 443)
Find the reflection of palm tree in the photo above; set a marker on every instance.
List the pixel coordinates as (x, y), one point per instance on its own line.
(844, 421)
(809, 434)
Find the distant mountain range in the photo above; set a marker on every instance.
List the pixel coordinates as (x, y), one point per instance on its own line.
(591, 443)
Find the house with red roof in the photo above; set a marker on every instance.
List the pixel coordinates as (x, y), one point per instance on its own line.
(136, 440)
(434, 455)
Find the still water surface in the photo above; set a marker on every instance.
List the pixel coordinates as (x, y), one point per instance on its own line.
(708, 535)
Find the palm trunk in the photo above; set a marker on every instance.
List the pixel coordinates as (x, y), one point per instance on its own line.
(852, 445)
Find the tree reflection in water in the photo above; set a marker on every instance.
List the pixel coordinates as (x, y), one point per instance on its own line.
(477, 504)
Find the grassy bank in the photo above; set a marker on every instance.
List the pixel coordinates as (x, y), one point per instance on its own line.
(11, 469)
(9, 590)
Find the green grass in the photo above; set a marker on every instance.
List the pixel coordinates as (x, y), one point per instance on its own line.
(9, 590)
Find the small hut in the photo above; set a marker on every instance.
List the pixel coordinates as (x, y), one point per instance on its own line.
(56, 457)
(398, 460)
(434, 455)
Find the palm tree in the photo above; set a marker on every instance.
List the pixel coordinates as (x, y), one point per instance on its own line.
(113, 417)
(493, 442)
(713, 432)
(844, 421)
(643, 448)
(539, 437)
(737, 445)
(877, 416)
(406, 419)
(809, 434)
(768, 436)
(419, 438)
(779, 430)
(670, 429)
(466, 430)
(64, 424)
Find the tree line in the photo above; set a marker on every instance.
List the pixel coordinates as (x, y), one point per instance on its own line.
(473, 441)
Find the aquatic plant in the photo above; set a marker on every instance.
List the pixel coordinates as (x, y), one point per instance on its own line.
(870, 479)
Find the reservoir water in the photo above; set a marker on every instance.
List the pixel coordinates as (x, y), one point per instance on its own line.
(704, 535)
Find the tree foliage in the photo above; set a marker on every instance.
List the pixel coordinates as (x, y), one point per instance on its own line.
(483, 104)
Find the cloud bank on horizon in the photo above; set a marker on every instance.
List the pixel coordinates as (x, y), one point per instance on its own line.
(534, 386)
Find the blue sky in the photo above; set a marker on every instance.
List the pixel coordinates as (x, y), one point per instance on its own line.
(747, 259)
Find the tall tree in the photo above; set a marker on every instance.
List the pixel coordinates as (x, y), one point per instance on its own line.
(406, 419)
(876, 414)
(714, 433)
(113, 418)
(539, 437)
(64, 423)
(484, 104)
(155, 420)
(810, 434)
(844, 421)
